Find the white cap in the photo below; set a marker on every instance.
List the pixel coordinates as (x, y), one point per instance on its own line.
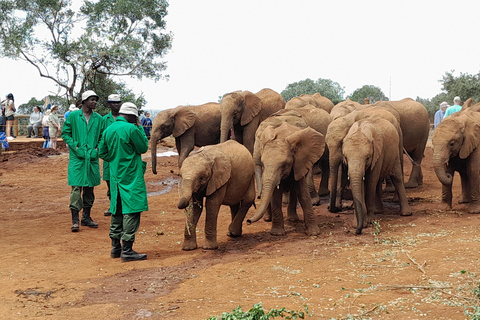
(129, 108)
(114, 98)
(457, 98)
(89, 93)
(72, 107)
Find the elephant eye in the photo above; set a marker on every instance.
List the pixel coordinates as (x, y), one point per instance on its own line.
(452, 142)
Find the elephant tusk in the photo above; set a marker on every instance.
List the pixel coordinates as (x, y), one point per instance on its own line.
(363, 178)
(278, 187)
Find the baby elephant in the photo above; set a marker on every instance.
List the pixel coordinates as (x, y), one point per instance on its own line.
(223, 174)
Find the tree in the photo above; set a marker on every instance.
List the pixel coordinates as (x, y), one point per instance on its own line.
(465, 86)
(368, 91)
(106, 37)
(27, 108)
(326, 87)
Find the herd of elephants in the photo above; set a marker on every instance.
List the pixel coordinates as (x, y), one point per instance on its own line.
(257, 146)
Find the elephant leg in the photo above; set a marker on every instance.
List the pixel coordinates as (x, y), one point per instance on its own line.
(311, 225)
(397, 180)
(323, 187)
(292, 206)
(185, 145)
(447, 194)
(416, 176)
(311, 188)
(377, 202)
(474, 183)
(212, 206)
(268, 214)
(193, 213)
(371, 184)
(278, 226)
(235, 228)
(465, 180)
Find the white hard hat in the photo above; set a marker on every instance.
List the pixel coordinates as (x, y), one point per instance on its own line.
(114, 98)
(129, 108)
(89, 93)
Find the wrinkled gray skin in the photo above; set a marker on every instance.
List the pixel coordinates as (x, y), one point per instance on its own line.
(370, 151)
(456, 148)
(190, 126)
(221, 174)
(287, 154)
(243, 111)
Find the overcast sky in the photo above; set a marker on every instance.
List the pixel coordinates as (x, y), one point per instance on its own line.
(219, 46)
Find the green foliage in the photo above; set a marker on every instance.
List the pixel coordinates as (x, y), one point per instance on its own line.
(326, 87)
(465, 86)
(368, 91)
(27, 108)
(258, 313)
(111, 38)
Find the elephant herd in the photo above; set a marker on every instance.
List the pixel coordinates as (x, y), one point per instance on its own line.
(257, 146)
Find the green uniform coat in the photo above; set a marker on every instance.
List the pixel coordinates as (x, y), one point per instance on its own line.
(107, 121)
(122, 146)
(83, 140)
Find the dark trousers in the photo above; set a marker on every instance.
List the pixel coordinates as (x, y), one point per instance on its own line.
(124, 226)
(81, 197)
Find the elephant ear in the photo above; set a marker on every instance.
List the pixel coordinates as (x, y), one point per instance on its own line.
(471, 138)
(377, 143)
(184, 120)
(221, 171)
(307, 146)
(252, 106)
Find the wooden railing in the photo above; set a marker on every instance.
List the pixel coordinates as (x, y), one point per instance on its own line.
(21, 122)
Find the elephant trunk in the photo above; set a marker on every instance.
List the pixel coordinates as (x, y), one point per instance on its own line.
(440, 165)
(225, 127)
(258, 171)
(185, 194)
(357, 185)
(267, 194)
(153, 149)
(334, 165)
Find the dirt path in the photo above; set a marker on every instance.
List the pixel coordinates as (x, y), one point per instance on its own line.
(423, 266)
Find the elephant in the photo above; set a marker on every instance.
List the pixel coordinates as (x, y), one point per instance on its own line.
(345, 107)
(287, 154)
(223, 175)
(308, 116)
(336, 132)
(190, 125)
(415, 125)
(316, 99)
(243, 112)
(370, 150)
(456, 148)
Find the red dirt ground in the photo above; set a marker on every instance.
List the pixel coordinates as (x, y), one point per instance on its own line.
(423, 266)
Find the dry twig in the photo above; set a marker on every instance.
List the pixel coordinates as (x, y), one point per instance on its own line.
(417, 264)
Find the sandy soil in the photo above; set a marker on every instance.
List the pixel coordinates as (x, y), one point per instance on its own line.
(423, 266)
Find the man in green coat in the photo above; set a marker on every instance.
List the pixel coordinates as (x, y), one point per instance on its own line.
(122, 145)
(82, 132)
(114, 103)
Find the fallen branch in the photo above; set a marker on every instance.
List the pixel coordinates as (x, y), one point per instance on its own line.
(417, 264)
(412, 287)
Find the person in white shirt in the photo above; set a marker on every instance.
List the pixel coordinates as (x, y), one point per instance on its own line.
(35, 122)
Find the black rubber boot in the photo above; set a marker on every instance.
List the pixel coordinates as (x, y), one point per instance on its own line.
(116, 248)
(75, 221)
(107, 213)
(86, 220)
(129, 255)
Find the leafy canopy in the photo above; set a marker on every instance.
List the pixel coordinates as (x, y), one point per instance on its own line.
(326, 87)
(368, 91)
(72, 48)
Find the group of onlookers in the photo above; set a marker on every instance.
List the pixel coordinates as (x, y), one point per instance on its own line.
(446, 110)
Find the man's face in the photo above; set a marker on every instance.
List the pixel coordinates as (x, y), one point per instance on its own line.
(114, 106)
(90, 103)
(444, 108)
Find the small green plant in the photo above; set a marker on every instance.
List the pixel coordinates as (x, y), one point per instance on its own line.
(258, 313)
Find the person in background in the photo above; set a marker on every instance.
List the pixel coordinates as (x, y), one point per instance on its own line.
(45, 124)
(54, 128)
(439, 114)
(114, 102)
(9, 106)
(122, 146)
(35, 122)
(82, 132)
(147, 124)
(457, 106)
(70, 109)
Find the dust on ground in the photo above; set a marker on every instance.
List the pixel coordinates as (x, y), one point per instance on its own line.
(423, 266)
